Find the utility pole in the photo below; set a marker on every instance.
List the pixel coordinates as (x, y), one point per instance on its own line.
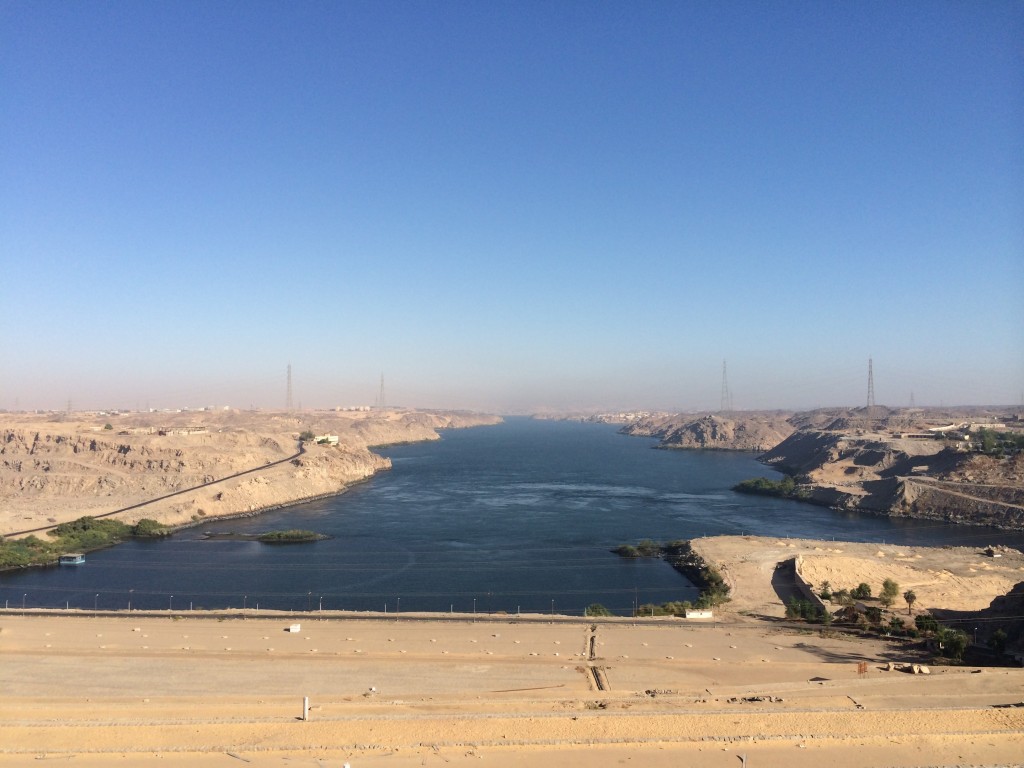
(288, 395)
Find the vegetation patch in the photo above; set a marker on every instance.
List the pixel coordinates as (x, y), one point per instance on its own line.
(713, 588)
(645, 548)
(293, 536)
(786, 488)
(82, 535)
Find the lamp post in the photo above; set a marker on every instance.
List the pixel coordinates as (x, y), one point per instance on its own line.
(170, 603)
(23, 601)
(244, 599)
(309, 601)
(321, 603)
(96, 601)
(130, 600)
(398, 608)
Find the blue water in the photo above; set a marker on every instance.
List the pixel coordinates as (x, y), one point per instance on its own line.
(519, 516)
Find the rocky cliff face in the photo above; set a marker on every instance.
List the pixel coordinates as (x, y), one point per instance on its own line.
(733, 432)
(231, 464)
(903, 477)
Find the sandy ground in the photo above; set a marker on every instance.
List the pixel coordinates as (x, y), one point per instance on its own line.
(943, 578)
(208, 691)
(204, 689)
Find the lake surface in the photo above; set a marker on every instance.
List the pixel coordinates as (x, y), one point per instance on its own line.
(519, 516)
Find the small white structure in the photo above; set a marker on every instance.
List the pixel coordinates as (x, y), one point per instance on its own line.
(326, 439)
(71, 558)
(294, 628)
(699, 613)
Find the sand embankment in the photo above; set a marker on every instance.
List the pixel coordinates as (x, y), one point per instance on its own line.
(198, 691)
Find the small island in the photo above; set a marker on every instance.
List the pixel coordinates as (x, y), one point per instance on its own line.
(293, 536)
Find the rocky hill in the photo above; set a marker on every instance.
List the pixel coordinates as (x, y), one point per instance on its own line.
(182, 468)
(900, 476)
(882, 460)
(755, 431)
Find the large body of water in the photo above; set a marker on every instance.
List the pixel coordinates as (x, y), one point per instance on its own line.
(519, 516)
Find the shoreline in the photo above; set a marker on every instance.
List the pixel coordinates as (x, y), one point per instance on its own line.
(194, 523)
(275, 507)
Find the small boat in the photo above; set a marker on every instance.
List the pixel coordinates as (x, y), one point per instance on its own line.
(72, 558)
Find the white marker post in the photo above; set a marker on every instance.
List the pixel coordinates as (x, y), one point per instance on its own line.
(305, 707)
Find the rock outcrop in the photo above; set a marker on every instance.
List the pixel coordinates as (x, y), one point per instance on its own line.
(733, 432)
(901, 477)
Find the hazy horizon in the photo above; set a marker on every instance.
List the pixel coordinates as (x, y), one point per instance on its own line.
(511, 207)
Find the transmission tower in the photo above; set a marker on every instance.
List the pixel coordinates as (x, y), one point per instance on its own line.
(871, 386)
(726, 394)
(380, 397)
(288, 396)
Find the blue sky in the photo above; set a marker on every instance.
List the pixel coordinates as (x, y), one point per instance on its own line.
(511, 205)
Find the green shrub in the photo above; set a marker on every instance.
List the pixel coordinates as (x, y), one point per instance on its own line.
(861, 592)
(807, 611)
(786, 488)
(645, 548)
(17, 553)
(952, 642)
(147, 528)
(627, 550)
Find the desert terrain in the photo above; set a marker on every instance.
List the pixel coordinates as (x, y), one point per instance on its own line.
(183, 467)
(904, 462)
(212, 689)
(219, 689)
(945, 579)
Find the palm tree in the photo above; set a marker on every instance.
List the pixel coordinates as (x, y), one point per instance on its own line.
(911, 598)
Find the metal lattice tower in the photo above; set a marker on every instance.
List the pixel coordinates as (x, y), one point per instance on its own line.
(871, 385)
(288, 396)
(726, 394)
(380, 397)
